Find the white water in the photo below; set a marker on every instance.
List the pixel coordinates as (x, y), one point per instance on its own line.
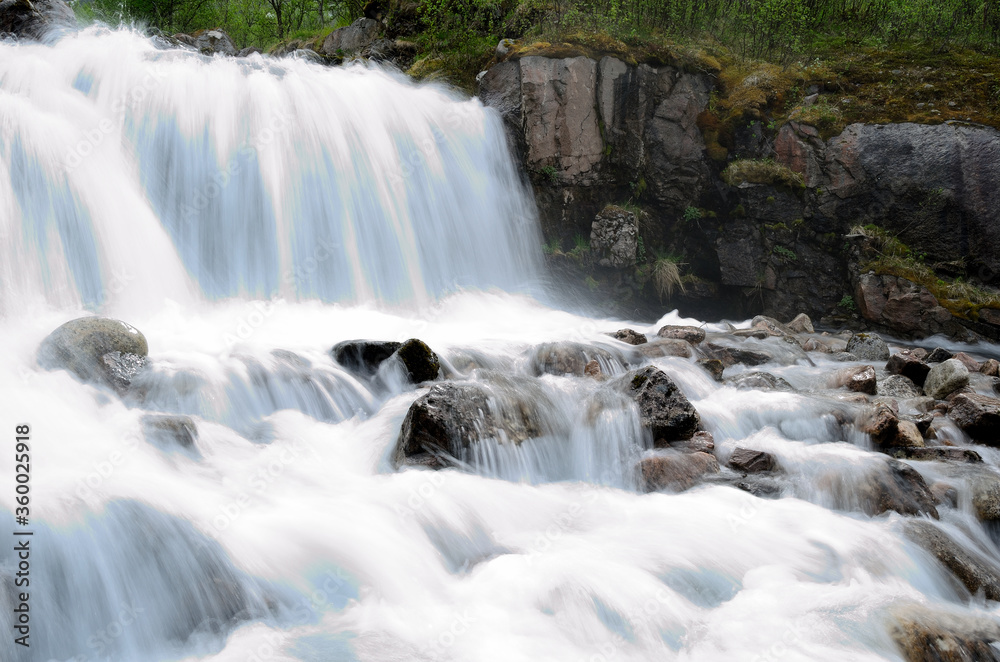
(287, 535)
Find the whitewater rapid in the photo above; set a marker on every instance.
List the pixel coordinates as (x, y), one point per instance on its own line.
(247, 215)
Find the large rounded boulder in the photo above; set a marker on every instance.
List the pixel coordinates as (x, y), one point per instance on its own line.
(663, 409)
(96, 349)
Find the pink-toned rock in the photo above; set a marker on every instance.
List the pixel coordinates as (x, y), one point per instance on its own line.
(969, 362)
(673, 470)
(990, 367)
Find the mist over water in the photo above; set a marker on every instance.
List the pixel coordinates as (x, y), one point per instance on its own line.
(246, 215)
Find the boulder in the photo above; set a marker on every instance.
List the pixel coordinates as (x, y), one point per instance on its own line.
(907, 364)
(985, 488)
(763, 381)
(211, 42)
(906, 308)
(666, 347)
(445, 422)
(168, 430)
(861, 380)
(363, 357)
(938, 355)
(925, 636)
(897, 386)
(974, 570)
(714, 367)
(868, 347)
(419, 360)
(978, 416)
(946, 378)
(692, 334)
(614, 238)
(730, 356)
(96, 349)
(801, 324)
(663, 409)
(676, 471)
(772, 326)
(970, 363)
(750, 461)
(352, 39)
(908, 435)
(898, 487)
(990, 368)
(568, 358)
(629, 336)
(880, 422)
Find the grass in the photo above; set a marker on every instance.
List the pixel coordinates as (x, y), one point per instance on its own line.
(666, 276)
(894, 258)
(764, 171)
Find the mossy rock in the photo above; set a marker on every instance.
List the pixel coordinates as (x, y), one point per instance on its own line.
(422, 364)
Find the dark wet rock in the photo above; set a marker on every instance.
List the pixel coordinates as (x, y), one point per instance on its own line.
(692, 334)
(938, 355)
(661, 347)
(946, 378)
(443, 423)
(168, 430)
(945, 494)
(210, 42)
(763, 381)
(676, 471)
(751, 461)
(730, 356)
(897, 386)
(935, 454)
(96, 349)
(33, 19)
(248, 51)
(714, 367)
(978, 416)
(801, 324)
(663, 409)
(420, 361)
(352, 39)
(898, 487)
(629, 336)
(868, 347)
(568, 358)
(861, 380)
(363, 357)
(925, 636)
(880, 422)
(974, 570)
(907, 364)
(760, 485)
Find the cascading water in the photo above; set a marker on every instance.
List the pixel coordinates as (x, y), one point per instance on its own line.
(247, 215)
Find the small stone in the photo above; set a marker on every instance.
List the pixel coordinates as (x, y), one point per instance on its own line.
(702, 441)
(772, 326)
(862, 380)
(868, 347)
(898, 386)
(713, 367)
(673, 470)
(946, 378)
(629, 336)
(759, 334)
(732, 355)
(880, 422)
(692, 334)
(666, 347)
(991, 368)
(751, 461)
(907, 434)
(763, 381)
(593, 369)
(170, 430)
(663, 409)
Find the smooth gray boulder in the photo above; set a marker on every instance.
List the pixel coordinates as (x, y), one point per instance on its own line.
(868, 347)
(945, 378)
(96, 349)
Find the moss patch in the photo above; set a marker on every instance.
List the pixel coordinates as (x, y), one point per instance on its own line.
(764, 171)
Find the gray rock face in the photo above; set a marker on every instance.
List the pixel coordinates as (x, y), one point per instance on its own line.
(351, 39)
(34, 19)
(903, 306)
(868, 347)
(614, 238)
(978, 416)
(96, 349)
(663, 409)
(215, 41)
(946, 378)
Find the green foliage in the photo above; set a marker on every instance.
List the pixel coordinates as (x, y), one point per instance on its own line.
(553, 247)
(785, 253)
(763, 171)
(640, 250)
(692, 214)
(847, 303)
(550, 173)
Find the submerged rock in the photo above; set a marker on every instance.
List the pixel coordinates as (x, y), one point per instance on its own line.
(868, 347)
(96, 349)
(170, 430)
(568, 358)
(730, 356)
(751, 461)
(897, 487)
(363, 357)
(978, 416)
(925, 636)
(974, 570)
(666, 347)
(946, 378)
(935, 453)
(880, 422)
(713, 367)
(673, 470)
(663, 409)
(629, 336)
(757, 380)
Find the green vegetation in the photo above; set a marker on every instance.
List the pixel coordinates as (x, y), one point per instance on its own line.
(666, 275)
(764, 171)
(692, 214)
(847, 303)
(890, 256)
(785, 253)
